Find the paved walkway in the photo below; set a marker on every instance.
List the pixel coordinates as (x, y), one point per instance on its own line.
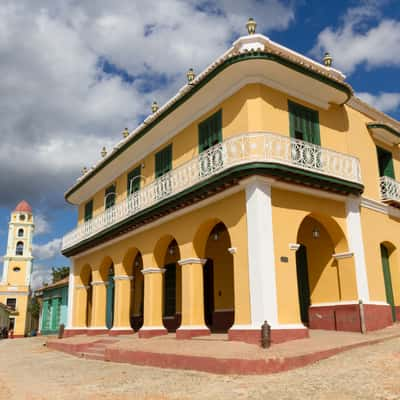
(216, 354)
(30, 371)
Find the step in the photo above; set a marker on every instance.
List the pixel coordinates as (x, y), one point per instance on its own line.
(94, 350)
(92, 356)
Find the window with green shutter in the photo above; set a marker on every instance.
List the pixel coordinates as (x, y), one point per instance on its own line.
(163, 161)
(304, 123)
(210, 131)
(109, 197)
(385, 162)
(133, 182)
(88, 210)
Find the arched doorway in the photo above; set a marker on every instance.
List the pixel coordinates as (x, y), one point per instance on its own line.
(110, 298)
(386, 251)
(318, 273)
(172, 287)
(89, 302)
(218, 280)
(137, 297)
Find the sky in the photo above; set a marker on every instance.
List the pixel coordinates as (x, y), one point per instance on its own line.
(75, 73)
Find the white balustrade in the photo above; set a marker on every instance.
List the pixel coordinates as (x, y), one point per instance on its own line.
(259, 147)
(390, 189)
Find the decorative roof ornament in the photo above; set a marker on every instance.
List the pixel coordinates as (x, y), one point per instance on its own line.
(251, 26)
(84, 170)
(190, 75)
(154, 107)
(327, 60)
(125, 133)
(103, 152)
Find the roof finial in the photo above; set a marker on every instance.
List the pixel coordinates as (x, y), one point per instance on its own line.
(125, 133)
(190, 75)
(327, 60)
(251, 26)
(154, 107)
(103, 152)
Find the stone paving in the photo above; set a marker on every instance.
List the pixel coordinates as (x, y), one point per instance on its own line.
(30, 371)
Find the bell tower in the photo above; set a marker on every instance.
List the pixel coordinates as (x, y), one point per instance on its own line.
(17, 267)
(18, 259)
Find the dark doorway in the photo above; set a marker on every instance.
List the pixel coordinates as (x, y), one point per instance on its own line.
(303, 282)
(208, 279)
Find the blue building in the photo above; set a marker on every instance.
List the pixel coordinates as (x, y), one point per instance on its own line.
(54, 304)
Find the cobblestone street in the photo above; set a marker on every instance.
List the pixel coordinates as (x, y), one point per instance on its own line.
(30, 371)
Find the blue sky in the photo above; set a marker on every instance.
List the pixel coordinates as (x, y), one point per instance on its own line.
(80, 72)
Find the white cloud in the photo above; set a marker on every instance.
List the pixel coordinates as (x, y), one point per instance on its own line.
(41, 224)
(386, 102)
(357, 42)
(58, 107)
(47, 250)
(40, 275)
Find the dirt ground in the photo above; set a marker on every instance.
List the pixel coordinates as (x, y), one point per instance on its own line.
(30, 371)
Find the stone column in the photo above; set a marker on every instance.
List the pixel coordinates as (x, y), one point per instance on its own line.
(99, 299)
(356, 245)
(192, 299)
(153, 300)
(80, 306)
(71, 292)
(261, 261)
(122, 305)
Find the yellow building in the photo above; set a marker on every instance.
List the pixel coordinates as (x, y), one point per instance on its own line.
(264, 190)
(15, 282)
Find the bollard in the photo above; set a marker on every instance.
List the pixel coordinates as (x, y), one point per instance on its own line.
(266, 335)
(61, 331)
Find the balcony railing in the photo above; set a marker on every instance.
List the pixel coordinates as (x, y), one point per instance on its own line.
(242, 149)
(390, 190)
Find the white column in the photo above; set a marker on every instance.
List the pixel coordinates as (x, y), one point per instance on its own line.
(263, 293)
(356, 245)
(71, 292)
(4, 279)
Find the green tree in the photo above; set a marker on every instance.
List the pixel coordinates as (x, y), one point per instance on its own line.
(34, 307)
(58, 273)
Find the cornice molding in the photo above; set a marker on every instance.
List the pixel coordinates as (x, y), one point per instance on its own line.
(193, 260)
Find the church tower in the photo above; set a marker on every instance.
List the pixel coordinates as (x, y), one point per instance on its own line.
(15, 282)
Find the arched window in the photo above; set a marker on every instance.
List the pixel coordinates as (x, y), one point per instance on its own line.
(20, 232)
(19, 251)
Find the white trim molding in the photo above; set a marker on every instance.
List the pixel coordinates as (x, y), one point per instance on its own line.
(260, 239)
(122, 328)
(99, 283)
(294, 246)
(153, 271)
(356, 243)
(341, 256)
(348, 302)
(123, 278)
(186, 261)
(82, 286)
(152, 328)
(232, 250)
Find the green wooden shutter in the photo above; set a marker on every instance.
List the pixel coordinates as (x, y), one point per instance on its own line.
(55, 314)
(304, 123)
(133, 181)
(388, 279)
(170, 290)
(210, 131)
(88, 210)
(163, 160)
(385, 162)
(109, 196)
(110, 300)
(45, 315)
